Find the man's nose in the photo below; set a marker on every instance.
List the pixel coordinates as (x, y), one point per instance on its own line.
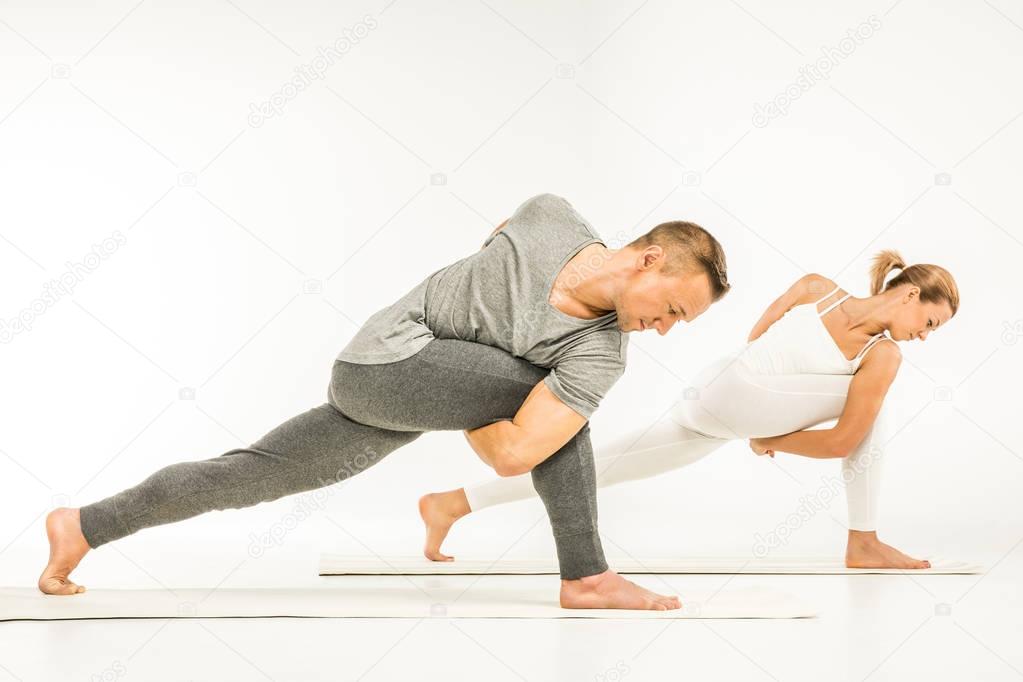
(923, 335)
(663, 326)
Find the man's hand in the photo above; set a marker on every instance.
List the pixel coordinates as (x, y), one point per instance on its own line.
(758, 447)
(540, 428)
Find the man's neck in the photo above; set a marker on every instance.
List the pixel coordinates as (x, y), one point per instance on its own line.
(586, 285)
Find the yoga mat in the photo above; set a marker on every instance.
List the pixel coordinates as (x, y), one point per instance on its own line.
(400, 601)
(339, 564)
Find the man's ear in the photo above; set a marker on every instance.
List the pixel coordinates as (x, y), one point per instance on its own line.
(650, 256)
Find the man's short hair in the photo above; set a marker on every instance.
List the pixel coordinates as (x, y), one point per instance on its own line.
(688, 247)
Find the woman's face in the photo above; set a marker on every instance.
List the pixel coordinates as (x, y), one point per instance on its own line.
(915, 320)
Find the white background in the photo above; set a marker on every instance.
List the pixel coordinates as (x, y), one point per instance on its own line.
(253, 253)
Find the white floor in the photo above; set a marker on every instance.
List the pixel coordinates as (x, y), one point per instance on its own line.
(871, 627)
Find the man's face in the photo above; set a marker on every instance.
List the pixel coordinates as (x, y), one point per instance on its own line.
(651, 300)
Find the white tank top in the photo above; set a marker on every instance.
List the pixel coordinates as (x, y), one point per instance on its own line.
(799, 343)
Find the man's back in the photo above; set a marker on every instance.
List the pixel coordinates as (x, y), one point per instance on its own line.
(499, 296)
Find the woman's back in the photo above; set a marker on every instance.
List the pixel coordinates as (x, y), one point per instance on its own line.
(800, 343)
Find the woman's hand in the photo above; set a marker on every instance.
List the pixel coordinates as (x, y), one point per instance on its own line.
(758, 448)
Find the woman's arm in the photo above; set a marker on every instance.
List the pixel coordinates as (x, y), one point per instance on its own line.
(867, 391)
(796, 293)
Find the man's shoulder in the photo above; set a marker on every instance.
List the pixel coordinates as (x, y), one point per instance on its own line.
(546, 200)
(548, 223)
(540, 208)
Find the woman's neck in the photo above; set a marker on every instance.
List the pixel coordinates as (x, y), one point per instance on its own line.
(869, 315)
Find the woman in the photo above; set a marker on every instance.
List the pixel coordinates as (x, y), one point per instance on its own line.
(808, 360)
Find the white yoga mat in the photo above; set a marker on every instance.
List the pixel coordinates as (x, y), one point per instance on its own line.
(339, 564)
(399, 601)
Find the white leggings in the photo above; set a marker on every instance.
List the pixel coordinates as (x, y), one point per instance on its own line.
(729, 403)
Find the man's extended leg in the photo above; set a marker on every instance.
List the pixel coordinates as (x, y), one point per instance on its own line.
(314, 449)
(372, 410)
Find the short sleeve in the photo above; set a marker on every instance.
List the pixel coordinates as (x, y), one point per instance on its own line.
(545, 214)
(582, 379)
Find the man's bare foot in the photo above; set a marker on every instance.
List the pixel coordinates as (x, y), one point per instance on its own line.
(439, 512)
(608, 590)
(67, 547)
(864, 550)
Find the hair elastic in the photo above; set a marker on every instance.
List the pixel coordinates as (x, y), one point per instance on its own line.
(890, 276)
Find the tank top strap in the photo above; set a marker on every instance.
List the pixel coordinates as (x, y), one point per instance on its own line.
(826, 296)
(870, 344)
(833, 305)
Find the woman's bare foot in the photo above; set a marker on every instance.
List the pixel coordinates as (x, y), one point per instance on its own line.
(439, 512)
(864, 550)
(608, 590)
(67, 547)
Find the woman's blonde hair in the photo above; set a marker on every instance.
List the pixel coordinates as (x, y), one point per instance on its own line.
(935, 282)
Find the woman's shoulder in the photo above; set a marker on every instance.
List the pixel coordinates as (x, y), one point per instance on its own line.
(885, 355)
(811, 287)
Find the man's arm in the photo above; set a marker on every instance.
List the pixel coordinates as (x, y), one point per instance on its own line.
(539, 429)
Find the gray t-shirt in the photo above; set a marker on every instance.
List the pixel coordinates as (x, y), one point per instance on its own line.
(499, 296)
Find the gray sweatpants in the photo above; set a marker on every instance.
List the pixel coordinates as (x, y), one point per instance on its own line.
(372, 410)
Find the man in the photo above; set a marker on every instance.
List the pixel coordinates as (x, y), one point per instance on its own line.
(515, 344)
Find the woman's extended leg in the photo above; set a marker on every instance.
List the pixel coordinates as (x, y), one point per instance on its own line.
(729, 402)
(641, 453)
(638, 454)
(677, 439)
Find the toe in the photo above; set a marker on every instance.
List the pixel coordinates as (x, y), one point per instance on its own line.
(667, 602)
(433, 555)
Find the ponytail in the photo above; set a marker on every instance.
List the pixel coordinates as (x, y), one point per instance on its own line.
(884, 262)
(934, 281)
